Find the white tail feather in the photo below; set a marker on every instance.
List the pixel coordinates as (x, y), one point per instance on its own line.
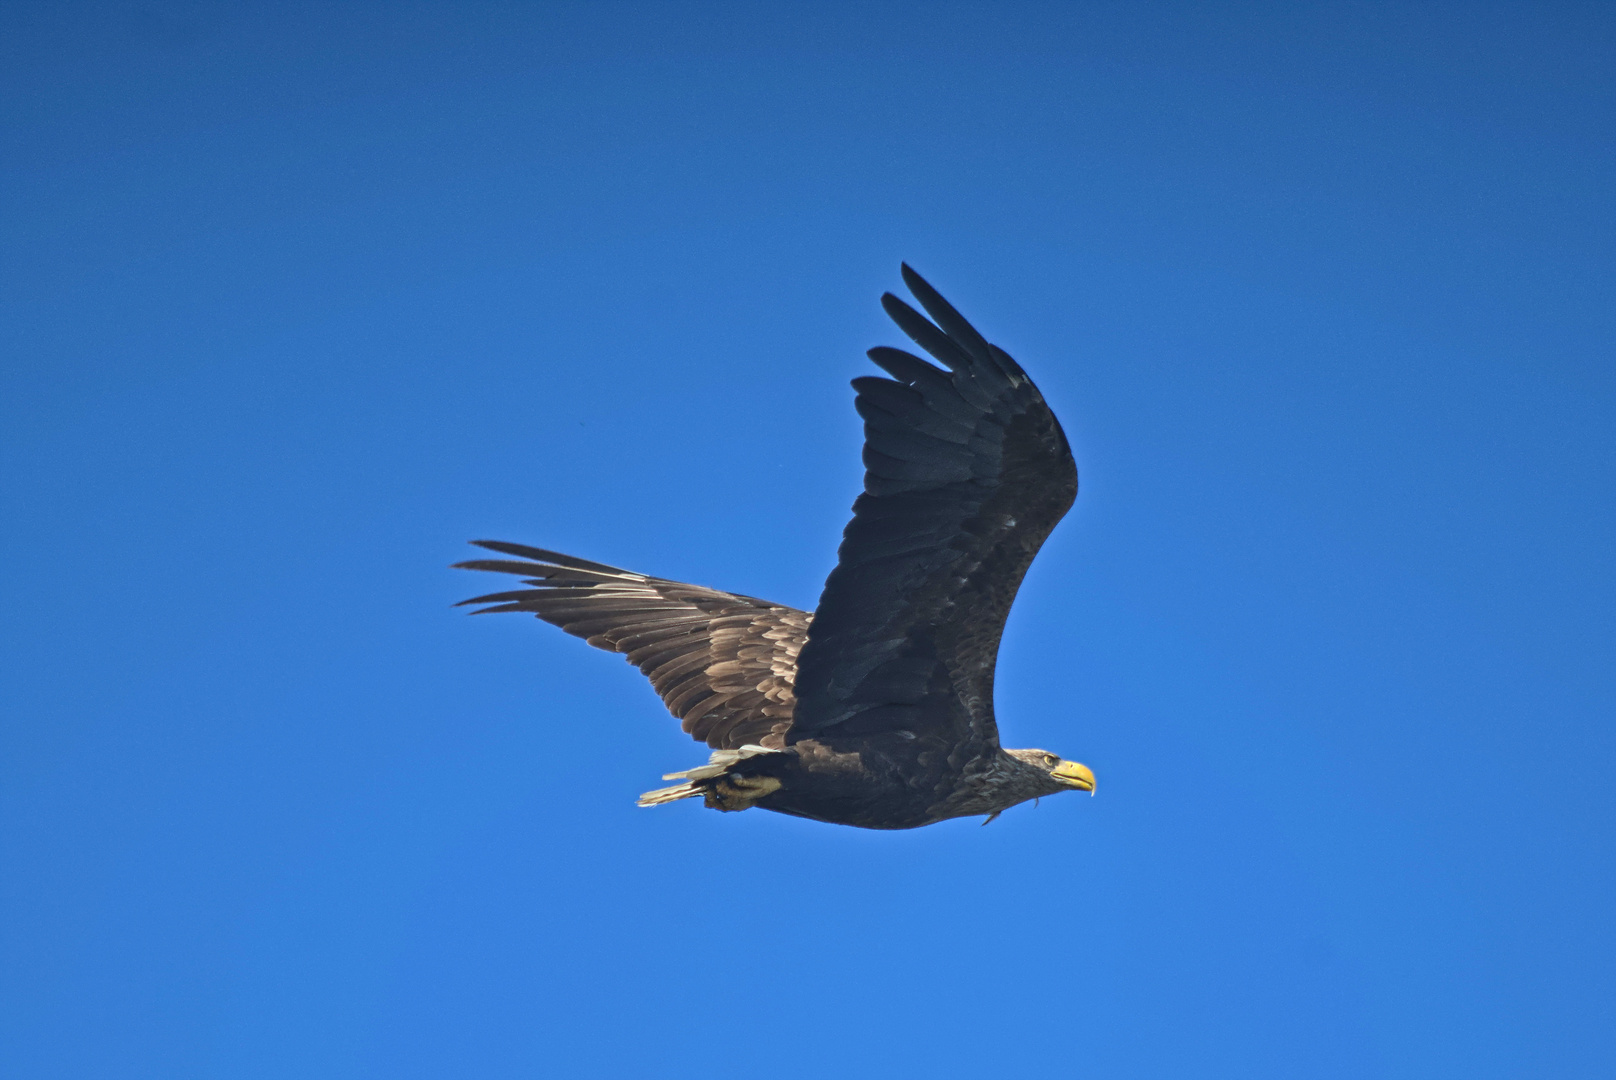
(695, 779)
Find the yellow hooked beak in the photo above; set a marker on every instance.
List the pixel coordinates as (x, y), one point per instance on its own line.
(1076, 774)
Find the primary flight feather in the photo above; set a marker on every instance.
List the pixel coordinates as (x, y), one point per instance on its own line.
(876, 710)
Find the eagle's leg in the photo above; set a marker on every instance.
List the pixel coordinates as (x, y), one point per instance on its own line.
(730, 793)
(718, 787)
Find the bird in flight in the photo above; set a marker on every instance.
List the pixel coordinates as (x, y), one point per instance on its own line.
(876, 709)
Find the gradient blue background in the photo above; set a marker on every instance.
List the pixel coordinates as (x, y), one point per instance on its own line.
(297, 298)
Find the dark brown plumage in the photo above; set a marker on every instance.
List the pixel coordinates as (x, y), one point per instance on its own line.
(877, 709)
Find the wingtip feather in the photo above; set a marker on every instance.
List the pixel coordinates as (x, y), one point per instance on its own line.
(554, 558)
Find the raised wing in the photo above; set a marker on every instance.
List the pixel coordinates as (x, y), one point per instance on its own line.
(966, 473)
(723, 664)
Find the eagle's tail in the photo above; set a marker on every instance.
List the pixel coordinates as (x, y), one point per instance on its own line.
(715, 783)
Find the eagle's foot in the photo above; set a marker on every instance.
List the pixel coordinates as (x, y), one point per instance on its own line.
(732, 793)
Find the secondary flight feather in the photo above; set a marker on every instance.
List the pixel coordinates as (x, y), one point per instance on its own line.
(876, 710)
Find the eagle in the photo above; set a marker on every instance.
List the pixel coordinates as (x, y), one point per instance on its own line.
(876, 709)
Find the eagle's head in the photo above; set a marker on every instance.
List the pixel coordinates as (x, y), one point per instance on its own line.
(1055, 774)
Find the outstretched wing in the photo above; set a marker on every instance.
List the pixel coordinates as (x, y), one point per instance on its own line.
(967, 471)
(723, 664)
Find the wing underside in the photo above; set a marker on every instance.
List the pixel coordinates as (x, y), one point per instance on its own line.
(966, 473)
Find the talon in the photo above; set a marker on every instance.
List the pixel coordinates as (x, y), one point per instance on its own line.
(732, 793)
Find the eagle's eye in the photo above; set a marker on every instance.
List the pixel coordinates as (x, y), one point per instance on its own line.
(1051, 760)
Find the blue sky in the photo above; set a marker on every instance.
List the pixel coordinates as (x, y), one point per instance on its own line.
(298, 298)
